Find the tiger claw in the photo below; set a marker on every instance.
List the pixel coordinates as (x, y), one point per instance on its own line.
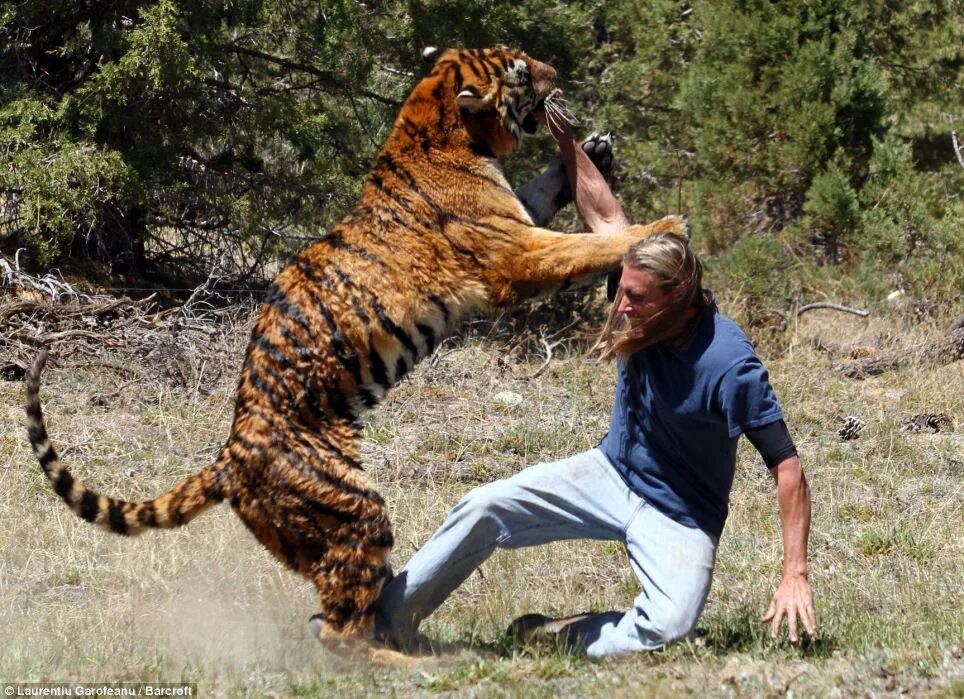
(316, 626)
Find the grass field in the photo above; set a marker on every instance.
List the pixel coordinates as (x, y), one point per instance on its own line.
(206, 604)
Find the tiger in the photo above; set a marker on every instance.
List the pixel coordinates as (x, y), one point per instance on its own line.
(438, 236)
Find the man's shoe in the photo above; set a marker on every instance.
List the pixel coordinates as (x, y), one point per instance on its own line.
(539, 628)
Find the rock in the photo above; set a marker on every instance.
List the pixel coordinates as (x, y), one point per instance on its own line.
(507, 398)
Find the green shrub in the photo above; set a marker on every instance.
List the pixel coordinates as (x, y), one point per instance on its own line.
(833, 212)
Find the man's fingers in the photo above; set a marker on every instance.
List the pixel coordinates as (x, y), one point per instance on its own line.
(792, 625)
(768, 614)
(777, 620)
(810, 620)
(797, 607)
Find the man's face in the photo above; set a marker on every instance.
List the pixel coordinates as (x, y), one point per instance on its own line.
(642, 298)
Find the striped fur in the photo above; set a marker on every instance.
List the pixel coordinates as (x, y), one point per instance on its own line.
(438, 235)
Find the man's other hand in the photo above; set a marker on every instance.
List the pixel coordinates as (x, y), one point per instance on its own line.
(793, 600)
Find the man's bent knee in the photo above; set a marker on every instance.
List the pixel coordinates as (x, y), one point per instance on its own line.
(668, 627)
(485, 509)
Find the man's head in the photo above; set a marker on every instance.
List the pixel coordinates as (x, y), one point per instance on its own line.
(660, 293)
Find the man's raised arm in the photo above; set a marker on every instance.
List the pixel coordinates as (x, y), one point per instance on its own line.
(590, 191)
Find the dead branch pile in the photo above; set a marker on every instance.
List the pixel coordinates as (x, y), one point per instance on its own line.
(122, 334)
(177, 346)
(861, 361)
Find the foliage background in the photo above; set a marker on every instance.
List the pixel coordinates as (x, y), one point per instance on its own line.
(810, 142)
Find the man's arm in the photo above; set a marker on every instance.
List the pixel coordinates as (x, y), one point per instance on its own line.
(545, 194)
(793, 598)
(595, 201)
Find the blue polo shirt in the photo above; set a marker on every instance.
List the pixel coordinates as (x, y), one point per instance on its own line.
(678, 414)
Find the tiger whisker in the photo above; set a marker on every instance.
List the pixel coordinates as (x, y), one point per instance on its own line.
(553, 119)
(557, 105)
(562, 106)
(557, 118)
(553, 111)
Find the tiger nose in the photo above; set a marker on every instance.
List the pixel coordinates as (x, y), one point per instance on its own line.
(541, 72)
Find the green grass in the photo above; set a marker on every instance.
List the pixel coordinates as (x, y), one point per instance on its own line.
(206, 604)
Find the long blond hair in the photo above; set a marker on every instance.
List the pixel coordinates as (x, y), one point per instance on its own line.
(677, 271)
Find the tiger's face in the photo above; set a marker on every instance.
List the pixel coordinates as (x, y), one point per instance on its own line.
(500, 93)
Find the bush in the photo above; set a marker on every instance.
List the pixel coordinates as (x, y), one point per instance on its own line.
(833, 212)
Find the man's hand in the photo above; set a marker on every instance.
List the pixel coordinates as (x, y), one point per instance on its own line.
(793, 600)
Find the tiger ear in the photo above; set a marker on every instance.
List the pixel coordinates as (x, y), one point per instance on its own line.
(470, 99)
(430, 54)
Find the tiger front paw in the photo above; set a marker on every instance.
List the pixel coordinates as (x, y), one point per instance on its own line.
(599, 148)
(544, 195)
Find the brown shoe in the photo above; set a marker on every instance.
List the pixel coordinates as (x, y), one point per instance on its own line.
(539, 628)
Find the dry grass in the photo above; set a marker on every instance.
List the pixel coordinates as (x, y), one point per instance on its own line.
(206, 604)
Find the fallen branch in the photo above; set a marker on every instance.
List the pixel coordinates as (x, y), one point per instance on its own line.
(15, 307)
(47, 339)
(832, 307)
(122, 303)
(549, 346)
(168, 343)
(861, 361)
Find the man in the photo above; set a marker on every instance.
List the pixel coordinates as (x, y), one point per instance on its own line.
(689, 384)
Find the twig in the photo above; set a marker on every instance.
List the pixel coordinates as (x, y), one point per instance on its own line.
(205, 288)
(121, 304)
(50, 338)
(118, 367)
(169, 339)
(549, 346)
(15, 307)
(957, 148)
(394, 71)
(832, 307)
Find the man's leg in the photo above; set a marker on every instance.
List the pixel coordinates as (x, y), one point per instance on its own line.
(674, 564)
(579, 497)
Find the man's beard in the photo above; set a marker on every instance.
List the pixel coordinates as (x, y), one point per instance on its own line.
(669, 324)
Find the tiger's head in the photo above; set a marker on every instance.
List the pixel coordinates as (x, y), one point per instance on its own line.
(497, 94)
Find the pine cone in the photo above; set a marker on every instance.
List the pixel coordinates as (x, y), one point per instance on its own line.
(851, 427)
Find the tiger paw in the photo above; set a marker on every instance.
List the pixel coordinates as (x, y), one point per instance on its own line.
(675, 224)
(316, 626)
(548, 192)
(599, 148)
(340, 645)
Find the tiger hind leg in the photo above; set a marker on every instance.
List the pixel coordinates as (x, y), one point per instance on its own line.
(349, 576)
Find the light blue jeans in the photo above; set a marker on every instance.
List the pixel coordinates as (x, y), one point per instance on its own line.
(582, 497)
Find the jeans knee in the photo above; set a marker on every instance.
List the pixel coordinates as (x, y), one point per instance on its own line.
(668, 625)
(481, 510)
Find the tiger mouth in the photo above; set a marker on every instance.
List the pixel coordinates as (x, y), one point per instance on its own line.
(530, 124)
(536, 115)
